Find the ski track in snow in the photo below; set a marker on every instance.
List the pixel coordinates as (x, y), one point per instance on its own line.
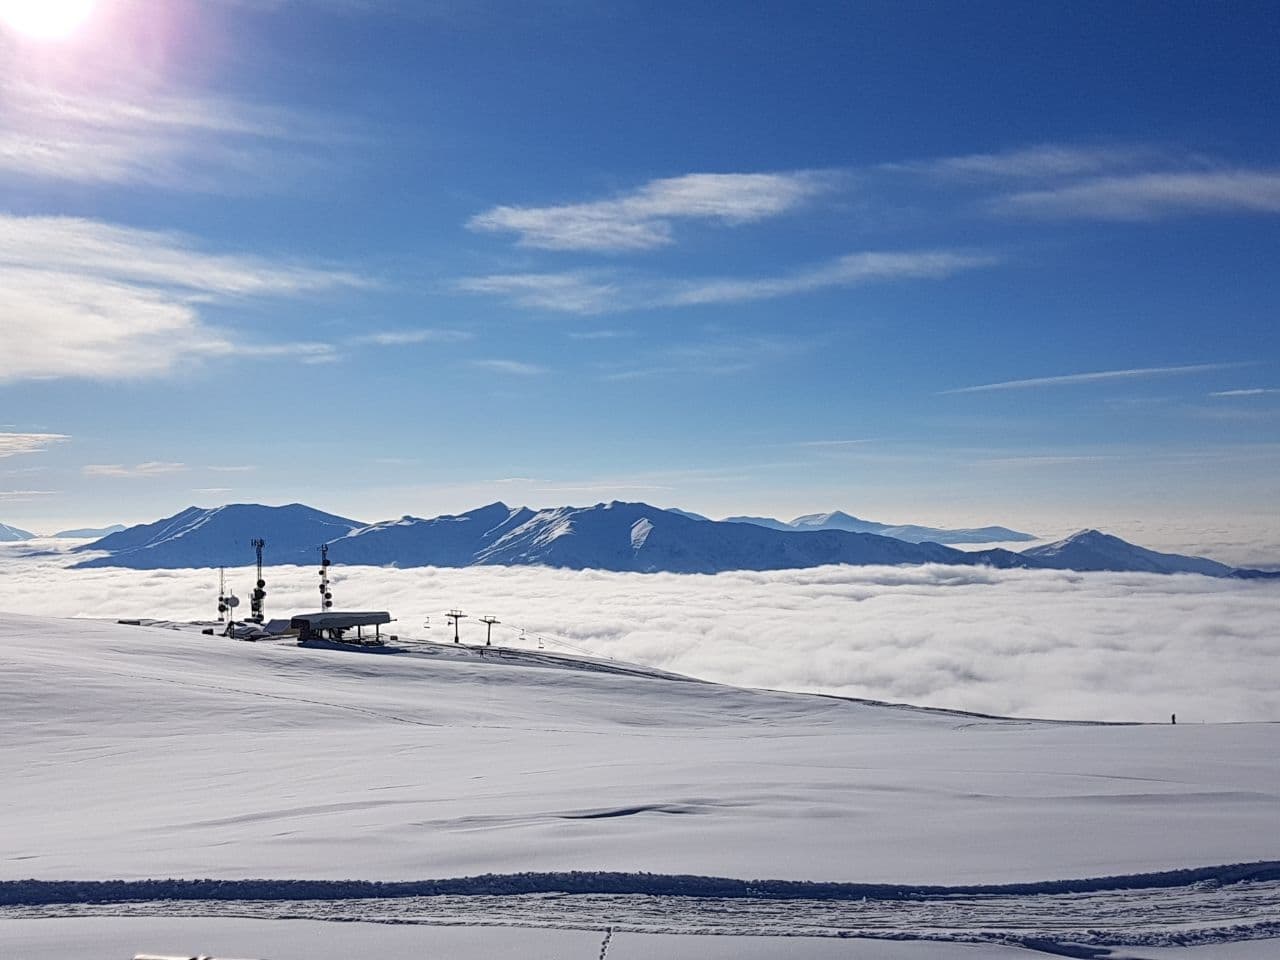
(1107, 912)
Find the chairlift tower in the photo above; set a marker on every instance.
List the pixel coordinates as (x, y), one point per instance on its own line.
(488, 634)
(326, 595)
(455, 616)
(257, 599)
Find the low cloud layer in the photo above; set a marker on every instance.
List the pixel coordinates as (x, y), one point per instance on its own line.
(1026, 643)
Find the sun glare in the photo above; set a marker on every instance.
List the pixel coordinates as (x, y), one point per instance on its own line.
(45, 19)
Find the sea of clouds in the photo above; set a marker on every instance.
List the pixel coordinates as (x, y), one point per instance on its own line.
(1084, 646)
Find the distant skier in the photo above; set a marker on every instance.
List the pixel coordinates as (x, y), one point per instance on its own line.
(1173, 719)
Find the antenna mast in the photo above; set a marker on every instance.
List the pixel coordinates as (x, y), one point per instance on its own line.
(326, 595)
(455, 616)
(488, 634)
(259, 595)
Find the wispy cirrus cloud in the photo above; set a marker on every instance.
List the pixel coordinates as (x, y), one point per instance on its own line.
(644, 219)
(1099, 376)
(1042, 161)
(87, 299)
(600, 292)
(403, 338)
(1149, 196)
(572, 292)
(1248, 392)
(515, 367)
(24, 496)
(710, 358)
(14, 444)
(851, 270)
(152, 468)
(121, 130)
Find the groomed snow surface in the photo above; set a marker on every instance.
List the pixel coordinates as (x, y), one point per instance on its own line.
(133, 753)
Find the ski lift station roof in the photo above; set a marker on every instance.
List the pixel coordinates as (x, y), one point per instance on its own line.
(339, 620)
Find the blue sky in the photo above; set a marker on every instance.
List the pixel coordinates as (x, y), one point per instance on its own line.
(992, 262)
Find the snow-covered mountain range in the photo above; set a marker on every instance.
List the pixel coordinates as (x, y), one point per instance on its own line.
(616, 536)
(912, 533)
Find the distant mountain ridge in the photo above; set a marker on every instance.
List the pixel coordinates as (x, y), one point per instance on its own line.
(1092, 550)
(220, 536)
(912, 533)
(85, 533)
(10, 534)
(616, 536)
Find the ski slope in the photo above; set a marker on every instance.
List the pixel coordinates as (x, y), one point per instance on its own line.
(139, 753)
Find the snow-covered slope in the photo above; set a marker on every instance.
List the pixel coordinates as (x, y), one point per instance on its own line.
(1092, 550)
(628, 537)
(221, 536)
(135, 752)
(10, 534)
(448, 541)
(912, 533)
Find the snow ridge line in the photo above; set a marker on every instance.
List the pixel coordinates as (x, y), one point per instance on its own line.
(42, 892)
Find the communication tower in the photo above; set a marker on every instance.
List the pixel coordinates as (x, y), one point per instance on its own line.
(257, 599)
(326, 595)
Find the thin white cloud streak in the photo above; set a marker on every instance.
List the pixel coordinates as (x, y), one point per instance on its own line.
(16, 444)
(828, 443)
(644, 219)
(1149, 196)
(152, 468)
(402, 338)
(1030, 643)
(1135, 373)
(1249, 392)
(515, 367)
(591, 293)
(847, 271)
(714, 358)
(573, 292)
(234, 468)
(1045, 161)
(119, 130)
(86, 299)
(24, 496)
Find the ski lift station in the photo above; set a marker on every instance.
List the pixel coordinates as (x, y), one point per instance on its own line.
(333, 625)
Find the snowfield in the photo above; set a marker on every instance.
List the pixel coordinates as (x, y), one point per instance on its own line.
(136, 753)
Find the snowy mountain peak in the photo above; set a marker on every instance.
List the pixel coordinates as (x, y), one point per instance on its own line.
(1094, 550)
(10, 534)
(221, 536)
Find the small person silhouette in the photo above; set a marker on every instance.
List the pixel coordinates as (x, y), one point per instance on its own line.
(1173, 718)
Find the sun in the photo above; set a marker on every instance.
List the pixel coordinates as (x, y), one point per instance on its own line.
(45, 19)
